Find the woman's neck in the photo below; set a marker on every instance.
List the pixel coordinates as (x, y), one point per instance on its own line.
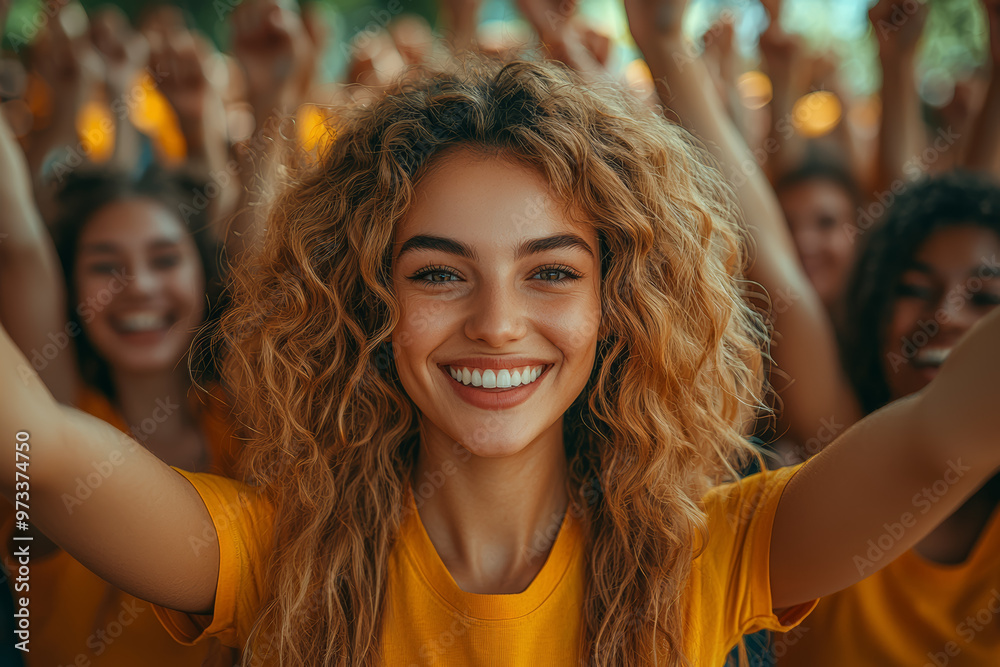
(491, 520)
(156, 409)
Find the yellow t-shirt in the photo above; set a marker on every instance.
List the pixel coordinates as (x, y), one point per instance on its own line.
(80, 620)
(913, 612)
(430, 621)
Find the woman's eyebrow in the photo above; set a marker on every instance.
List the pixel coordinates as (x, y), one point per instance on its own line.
(99, 248)
(525, 248)
(922, 267)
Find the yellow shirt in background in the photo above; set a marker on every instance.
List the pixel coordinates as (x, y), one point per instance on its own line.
(913, 612)
(80, 620)
(430, 621)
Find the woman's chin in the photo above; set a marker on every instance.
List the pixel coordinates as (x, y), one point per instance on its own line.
(479, 440)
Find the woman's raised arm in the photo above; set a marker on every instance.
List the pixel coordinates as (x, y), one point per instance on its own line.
(984, 147)
(32, 292)
(101, 496)
(891, 478)
(817, 393)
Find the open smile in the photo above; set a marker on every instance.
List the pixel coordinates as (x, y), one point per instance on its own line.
(495, 389)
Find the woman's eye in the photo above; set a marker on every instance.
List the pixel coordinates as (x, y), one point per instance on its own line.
(102, 268)
(434, 276)
(986, 299)
(439, 276)
(552, 273)
(914, 291)
(166, 261)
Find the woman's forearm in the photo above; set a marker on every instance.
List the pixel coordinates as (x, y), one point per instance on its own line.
(892, 478)
(984, 146)
(901, 135)
(805, 347)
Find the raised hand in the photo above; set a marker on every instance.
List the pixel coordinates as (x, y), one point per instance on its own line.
(565, 38)
(272, 45)
(992, 8)
(653, 20)
(375, 60)
(180, 61)
(984, 144)
(65, 58)
(898, 25)
(460, 18)
(123, 50)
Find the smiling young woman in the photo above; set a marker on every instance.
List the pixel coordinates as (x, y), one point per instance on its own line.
(482, 221)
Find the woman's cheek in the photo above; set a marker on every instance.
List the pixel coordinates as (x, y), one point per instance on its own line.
(572, 325)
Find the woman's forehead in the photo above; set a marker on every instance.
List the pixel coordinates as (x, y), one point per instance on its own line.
(487, 200)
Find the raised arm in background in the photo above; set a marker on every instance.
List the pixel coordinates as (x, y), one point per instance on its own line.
(984, 146)
(32, 289)
(460, 18)
(805, 347)
(272, 46)
(66, 60)
(901, 135)
(125, 53)
(181, 60)
(789, 68)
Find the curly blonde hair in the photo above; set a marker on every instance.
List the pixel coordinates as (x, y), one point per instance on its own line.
(678, 373)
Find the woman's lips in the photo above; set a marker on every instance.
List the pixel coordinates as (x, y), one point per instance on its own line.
(495, 398)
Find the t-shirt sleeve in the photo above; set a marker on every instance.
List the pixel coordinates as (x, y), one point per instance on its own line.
(243, 522)
(740, 517)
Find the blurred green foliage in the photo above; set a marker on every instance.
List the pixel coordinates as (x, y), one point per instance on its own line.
(953, 46)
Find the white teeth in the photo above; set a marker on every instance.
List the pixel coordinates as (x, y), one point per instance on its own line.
(503, 378)
(932, 356)
(141, 322)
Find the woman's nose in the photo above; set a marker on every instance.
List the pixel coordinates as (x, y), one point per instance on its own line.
(955, 311)
(140, 281)
(497, 316)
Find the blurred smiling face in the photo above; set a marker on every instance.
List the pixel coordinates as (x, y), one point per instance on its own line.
(500, 304)
(952, 282)
(140, 285)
